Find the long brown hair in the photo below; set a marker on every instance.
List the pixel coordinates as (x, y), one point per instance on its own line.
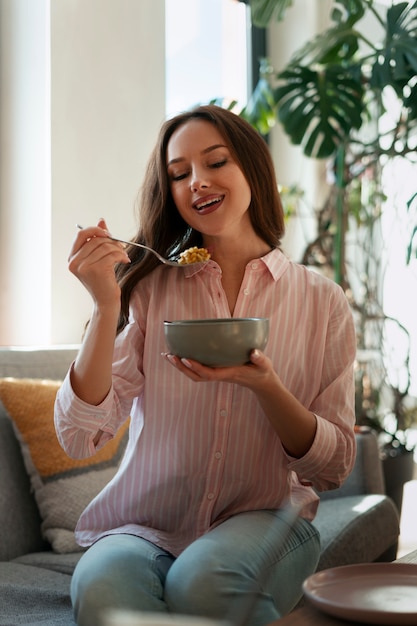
(161, 225)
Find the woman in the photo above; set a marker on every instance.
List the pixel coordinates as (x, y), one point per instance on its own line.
(213, 453)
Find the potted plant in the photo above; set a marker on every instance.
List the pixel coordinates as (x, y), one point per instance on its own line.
(333, 99)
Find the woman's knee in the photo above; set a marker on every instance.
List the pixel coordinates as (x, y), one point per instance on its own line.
(118, 572)
(213, 573)
(200, 586)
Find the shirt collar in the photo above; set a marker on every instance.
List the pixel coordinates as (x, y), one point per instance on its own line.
(276, 262)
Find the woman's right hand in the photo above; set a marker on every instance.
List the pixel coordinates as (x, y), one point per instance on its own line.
(92, 259)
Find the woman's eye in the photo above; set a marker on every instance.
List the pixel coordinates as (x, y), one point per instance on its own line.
(219, 163)
(177, 177)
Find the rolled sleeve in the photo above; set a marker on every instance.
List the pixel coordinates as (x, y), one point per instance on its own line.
(77, 423)
(329, 460)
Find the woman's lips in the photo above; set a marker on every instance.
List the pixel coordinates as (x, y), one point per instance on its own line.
(208, 204)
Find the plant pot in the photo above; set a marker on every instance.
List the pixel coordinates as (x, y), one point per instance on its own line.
(398, 468)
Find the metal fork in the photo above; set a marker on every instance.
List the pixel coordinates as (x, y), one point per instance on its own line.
(141, 245)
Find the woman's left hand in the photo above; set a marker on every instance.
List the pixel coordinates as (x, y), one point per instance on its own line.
(254, 374)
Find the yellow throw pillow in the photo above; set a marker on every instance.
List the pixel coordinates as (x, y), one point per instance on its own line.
(62, 486)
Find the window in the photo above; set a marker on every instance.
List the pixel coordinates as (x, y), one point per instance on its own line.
(208, 52)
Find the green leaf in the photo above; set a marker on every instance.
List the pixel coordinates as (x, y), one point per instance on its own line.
(223, 102)
(335, 45)
(411, 200)
(340, 42)
(396, 62)
(348, 11)
(262, 11)
(318, 109)
(260, 110)
(410, 245)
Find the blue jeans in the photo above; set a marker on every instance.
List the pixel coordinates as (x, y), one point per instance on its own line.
(237, 566)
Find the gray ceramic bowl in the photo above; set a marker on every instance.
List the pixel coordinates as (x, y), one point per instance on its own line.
(217, 342)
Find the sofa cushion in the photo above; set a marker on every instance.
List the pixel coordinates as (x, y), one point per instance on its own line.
(34, 596)
(62, 486)
(47, 559)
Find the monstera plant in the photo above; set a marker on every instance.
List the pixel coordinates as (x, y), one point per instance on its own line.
(333, 84)
(332, 100)
(331, 97)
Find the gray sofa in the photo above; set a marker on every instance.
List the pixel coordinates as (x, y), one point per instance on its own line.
(357, 523)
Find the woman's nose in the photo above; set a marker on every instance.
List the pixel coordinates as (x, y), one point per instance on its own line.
(198, 180)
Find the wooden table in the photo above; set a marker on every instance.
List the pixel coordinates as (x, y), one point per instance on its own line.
(309, 616)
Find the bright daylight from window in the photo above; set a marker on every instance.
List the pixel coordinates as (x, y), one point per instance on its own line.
(206, 49)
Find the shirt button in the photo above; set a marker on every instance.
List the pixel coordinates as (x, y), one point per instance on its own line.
(223, 413)
(254, 266)
(246, 292)
(218, 455)
(210, 496)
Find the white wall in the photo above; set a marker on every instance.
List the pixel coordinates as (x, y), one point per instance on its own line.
(302, 21)
(83, 90)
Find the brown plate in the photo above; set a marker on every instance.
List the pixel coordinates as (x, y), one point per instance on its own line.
(373, 593)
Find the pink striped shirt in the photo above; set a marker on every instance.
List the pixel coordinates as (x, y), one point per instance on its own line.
(199, 453)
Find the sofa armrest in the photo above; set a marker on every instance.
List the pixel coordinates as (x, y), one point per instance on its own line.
(20, 521)
(357, 529)
(363, 524)
(367, 475)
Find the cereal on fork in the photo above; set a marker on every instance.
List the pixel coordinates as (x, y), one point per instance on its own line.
(194, 255)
